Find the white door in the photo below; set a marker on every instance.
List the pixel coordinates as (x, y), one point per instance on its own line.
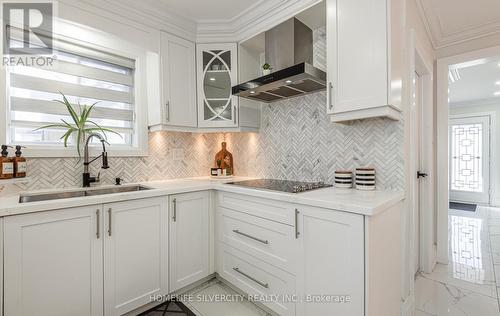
(330, 248)
(416, 166)
(53, 263)
(189, 238)
(178, 81)
(470, 159)
(135, 253)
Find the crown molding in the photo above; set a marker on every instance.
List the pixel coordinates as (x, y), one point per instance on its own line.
(439, 39)
(139, 14)
(259, 17)
(254, 20)
(478, 102)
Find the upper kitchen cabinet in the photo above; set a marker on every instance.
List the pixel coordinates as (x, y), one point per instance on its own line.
(177, 108)
(217, 72)
(363, 59)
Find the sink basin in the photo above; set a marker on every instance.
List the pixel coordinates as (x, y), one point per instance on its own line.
(26, 198)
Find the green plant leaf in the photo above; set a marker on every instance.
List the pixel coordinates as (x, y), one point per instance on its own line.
(71, 111)
(66, 136)
(51, 126)
(89, 110)
(78, 141)
(102, 129)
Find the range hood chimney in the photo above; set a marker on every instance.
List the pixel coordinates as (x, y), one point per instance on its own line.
(289, 50)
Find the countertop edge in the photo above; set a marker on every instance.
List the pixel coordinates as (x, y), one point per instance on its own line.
(169, 187)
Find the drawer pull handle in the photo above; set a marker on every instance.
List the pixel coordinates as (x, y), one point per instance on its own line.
(174, 216)
(297, 233)
(264, 285)
(251, 237)
(98, 219)
(109, 221)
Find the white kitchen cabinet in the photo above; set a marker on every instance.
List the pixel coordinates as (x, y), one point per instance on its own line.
(135, 253)
(178, 85)
(189, 238)
(330, 255)
(363, 59)
(217, 72)
(53, 263)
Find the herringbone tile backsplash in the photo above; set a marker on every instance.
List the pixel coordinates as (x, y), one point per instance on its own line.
(296, 141)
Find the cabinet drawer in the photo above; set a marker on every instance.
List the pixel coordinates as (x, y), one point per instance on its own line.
(269, 209)
(267, 240)
(275, 287)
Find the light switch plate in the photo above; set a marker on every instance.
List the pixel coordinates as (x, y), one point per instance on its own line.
(178, 154)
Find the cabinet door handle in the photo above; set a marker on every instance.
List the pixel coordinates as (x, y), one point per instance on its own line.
(234, 113)
(167, 111)
(330, 95)
(251, 237)
(297, 233)
(98, 219)
(264, 285)
(174, 211)
(109, 221)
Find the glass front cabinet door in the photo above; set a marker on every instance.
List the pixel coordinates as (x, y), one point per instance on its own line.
(217, 72)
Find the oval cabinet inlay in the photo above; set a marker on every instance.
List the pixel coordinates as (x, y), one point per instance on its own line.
(217, 105)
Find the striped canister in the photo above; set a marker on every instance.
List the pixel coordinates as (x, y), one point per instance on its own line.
(365, 178)
(343, 179)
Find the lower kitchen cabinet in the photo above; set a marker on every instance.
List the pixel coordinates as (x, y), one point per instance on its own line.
(189, 238)
(310, 260)
(330, 255)
(53, 263)
(86, 261)
(135, 253)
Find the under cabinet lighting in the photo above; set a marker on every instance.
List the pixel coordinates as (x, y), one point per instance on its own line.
(497, 93)
(288, 81)
(212, 79)
(497, 83)
(252, 92)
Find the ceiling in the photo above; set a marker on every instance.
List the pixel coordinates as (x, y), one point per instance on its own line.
(453, 21)
(479, 80)
(206, 10)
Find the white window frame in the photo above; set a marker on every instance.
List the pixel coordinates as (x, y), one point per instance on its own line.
(114, 46)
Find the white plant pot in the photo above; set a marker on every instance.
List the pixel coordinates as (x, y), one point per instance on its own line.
(266, 71)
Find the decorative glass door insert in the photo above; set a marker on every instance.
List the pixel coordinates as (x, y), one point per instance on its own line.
(469, 159)
(216, 75)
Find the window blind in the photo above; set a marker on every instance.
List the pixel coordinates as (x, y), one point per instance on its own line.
(85, 76)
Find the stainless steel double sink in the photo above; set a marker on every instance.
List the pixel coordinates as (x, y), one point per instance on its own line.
(27, 198)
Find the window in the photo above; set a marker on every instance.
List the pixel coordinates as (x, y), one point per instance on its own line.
(85, 76)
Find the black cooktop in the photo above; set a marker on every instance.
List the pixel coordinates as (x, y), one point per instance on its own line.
(281, 185)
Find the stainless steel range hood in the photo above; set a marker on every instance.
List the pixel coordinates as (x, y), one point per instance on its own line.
(289, 50)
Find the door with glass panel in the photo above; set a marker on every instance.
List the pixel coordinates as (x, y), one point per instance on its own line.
(469, 156)
(217, 73)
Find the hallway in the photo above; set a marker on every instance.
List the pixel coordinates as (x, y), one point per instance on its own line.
(469, 284)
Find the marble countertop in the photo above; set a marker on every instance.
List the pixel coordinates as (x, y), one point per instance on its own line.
(360, 202)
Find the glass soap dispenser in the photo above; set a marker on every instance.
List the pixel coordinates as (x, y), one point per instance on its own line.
(20, 164)
(6, 164)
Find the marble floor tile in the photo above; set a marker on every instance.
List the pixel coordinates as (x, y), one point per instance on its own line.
(461, 276)
(216, 299)
(437, 298)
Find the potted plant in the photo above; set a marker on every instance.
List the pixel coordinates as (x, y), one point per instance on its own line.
(81, 124)
(266, 69)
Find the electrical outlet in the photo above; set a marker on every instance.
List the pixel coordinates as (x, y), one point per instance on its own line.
(178, 154)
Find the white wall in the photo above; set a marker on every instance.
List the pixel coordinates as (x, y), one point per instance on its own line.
(482, 107)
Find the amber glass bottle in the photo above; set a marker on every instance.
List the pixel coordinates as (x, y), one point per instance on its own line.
(20, 165)
(6, 164)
